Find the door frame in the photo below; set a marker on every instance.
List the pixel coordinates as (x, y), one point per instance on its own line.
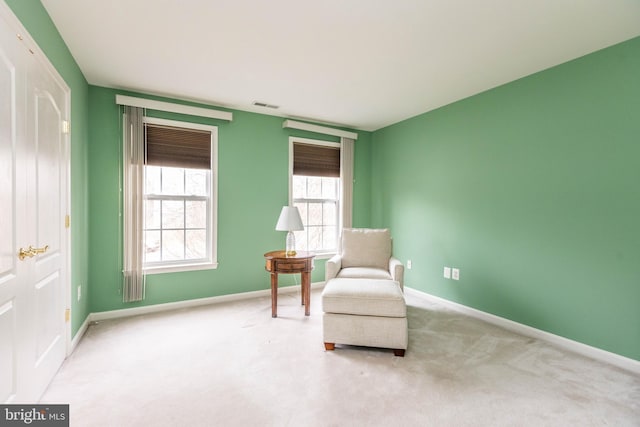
(30, 44)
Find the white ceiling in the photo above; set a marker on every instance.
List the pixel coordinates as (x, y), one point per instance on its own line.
(359, 63)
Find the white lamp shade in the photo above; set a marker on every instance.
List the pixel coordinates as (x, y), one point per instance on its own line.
(289, 219)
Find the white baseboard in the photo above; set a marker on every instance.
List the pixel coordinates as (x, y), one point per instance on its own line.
(78, 336)
(127, 312)
(562, 342)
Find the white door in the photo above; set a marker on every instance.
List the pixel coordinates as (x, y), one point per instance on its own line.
(33, 205)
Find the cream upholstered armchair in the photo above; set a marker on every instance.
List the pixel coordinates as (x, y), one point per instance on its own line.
(365, 253)
(363, 301)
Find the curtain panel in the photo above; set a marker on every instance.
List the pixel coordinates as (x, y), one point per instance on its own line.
(133, 171)
(346, 178)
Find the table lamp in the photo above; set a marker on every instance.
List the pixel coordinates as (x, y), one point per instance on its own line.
(290, 221)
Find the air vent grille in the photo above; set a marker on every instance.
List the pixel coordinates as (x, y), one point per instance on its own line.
(265, 105)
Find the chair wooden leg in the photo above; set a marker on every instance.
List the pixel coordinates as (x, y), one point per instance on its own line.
(329, 346)
(397, 352)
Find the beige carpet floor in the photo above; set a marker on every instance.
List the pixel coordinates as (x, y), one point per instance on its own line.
(231, 364)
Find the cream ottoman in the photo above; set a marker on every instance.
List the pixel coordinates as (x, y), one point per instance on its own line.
(365, 312)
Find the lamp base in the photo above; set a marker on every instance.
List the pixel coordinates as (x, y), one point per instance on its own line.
(290, 244)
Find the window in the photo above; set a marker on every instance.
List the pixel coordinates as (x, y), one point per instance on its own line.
(179, 196)
(315, 191)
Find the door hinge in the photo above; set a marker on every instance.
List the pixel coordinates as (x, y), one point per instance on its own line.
(66, 126)
(67, 315)
(67, 221)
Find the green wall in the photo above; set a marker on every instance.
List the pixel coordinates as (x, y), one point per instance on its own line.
(252, 185)
(532, 190)
(36, 20)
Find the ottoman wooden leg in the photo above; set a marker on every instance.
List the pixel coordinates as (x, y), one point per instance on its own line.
(329, 346)
(397, 352)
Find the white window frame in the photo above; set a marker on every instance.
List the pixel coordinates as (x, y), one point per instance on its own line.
(292, 140)
(212, 234)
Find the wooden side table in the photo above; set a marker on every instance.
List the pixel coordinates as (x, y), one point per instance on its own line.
(277, 262)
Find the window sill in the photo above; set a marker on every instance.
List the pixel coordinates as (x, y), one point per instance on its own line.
(176, 268)
(323, 255)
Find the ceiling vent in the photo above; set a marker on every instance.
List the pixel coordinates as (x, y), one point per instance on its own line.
(265, 105)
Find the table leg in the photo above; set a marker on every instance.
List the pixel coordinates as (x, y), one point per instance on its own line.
(274, 294)
(306, 291)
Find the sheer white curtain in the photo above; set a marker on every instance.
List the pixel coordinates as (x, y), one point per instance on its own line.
(133, 170)
(346, 178)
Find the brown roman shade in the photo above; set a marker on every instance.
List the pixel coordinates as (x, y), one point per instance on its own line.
(316, 160)
(177, 147)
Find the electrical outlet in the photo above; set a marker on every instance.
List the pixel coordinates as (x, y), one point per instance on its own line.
(79, 292)
(408, 264)
(455, 274)
(447, 272)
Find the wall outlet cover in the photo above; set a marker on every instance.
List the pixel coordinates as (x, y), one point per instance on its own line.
(447, 272)
(455, 274)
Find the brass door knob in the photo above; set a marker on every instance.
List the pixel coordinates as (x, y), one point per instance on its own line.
(31, 252)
